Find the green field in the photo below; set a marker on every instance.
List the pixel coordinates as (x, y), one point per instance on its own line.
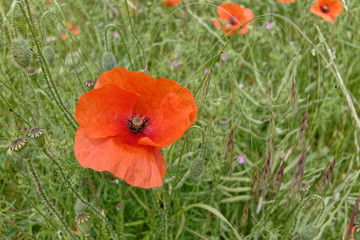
(274, 152)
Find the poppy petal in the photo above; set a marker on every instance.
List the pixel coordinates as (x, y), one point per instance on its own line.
(226, 10)
(315, 9)
(139, 166)
(103, 112)
(170, 123)
(151, 90)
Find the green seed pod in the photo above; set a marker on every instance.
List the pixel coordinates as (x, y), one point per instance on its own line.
(21, 52)
(108, 61)
(83, 223)
(19, 146)
(49, 54)
(309, 232)
(32, 73)
(197, 169)
(72, 60)
(37, 133)
(90, 83)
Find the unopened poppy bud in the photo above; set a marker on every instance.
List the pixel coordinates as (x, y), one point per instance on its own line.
(49, 54)
(108, 61)
(19, 146)
(89, 83)
(196, 169)
(21, 52)
(72, 60)
(37, 133)
(83, 223)
(309, 232)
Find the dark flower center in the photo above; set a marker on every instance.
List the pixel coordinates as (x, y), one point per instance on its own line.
(232, 20)
(325, 8)
(137, 123)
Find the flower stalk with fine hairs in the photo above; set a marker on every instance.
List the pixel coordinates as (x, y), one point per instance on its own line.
(49, 205)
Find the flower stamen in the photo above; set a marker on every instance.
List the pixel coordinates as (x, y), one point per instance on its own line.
(137, 123)
(325, 8)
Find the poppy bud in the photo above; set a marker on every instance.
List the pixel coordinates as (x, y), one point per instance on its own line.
(83, 223)
(49, 54)
(309, 232)
(37, 133)
(21, 52)
(196, 169)
(19, 146)
(108, 61)
(72, 60)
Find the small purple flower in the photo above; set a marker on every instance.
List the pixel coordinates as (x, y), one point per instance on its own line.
(240, 159)
(223, 57)
(176, 63)
(100, 24)
(115, 34)
(291, 42)
(269, 26)
(206, 70)
(241, 85)
(217, 64)
(282, 156)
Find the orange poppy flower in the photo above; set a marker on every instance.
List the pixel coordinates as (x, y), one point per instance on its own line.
(72, 28)
(327, 9)
(286, 1)
(170, 3)
(126, 119)
(233, 16)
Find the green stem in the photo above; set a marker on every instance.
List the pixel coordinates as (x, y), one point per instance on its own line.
(121, 212)
(132, 29)
(122, 40)
(77, 195)
(46, 199)
(30, 22)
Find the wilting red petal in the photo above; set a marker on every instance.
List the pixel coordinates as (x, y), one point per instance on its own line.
(170, 123)
(151, 90)
(171, 3)
(103, 112)
(141, 166)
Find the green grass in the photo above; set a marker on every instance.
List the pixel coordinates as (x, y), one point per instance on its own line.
(209, 206)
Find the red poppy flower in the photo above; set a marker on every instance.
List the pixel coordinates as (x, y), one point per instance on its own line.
(125, 121)
(286, 1)
(171, 3)
(234, 16)
(327, 9)
(72, 28)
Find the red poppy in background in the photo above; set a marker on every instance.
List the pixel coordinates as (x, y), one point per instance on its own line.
(72, 28)
(125, 121)
(286, 1)
(233, 16)
(171, 3)
(327, 9)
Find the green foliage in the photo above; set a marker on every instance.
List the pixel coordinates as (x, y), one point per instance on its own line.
(261, 85)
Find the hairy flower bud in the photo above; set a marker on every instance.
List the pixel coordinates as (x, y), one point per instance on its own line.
(196, 169)
(21, 52)
(108, 61)
(49, 54)
(309, 232)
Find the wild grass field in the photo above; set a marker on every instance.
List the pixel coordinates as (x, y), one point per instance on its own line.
(264, 144)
